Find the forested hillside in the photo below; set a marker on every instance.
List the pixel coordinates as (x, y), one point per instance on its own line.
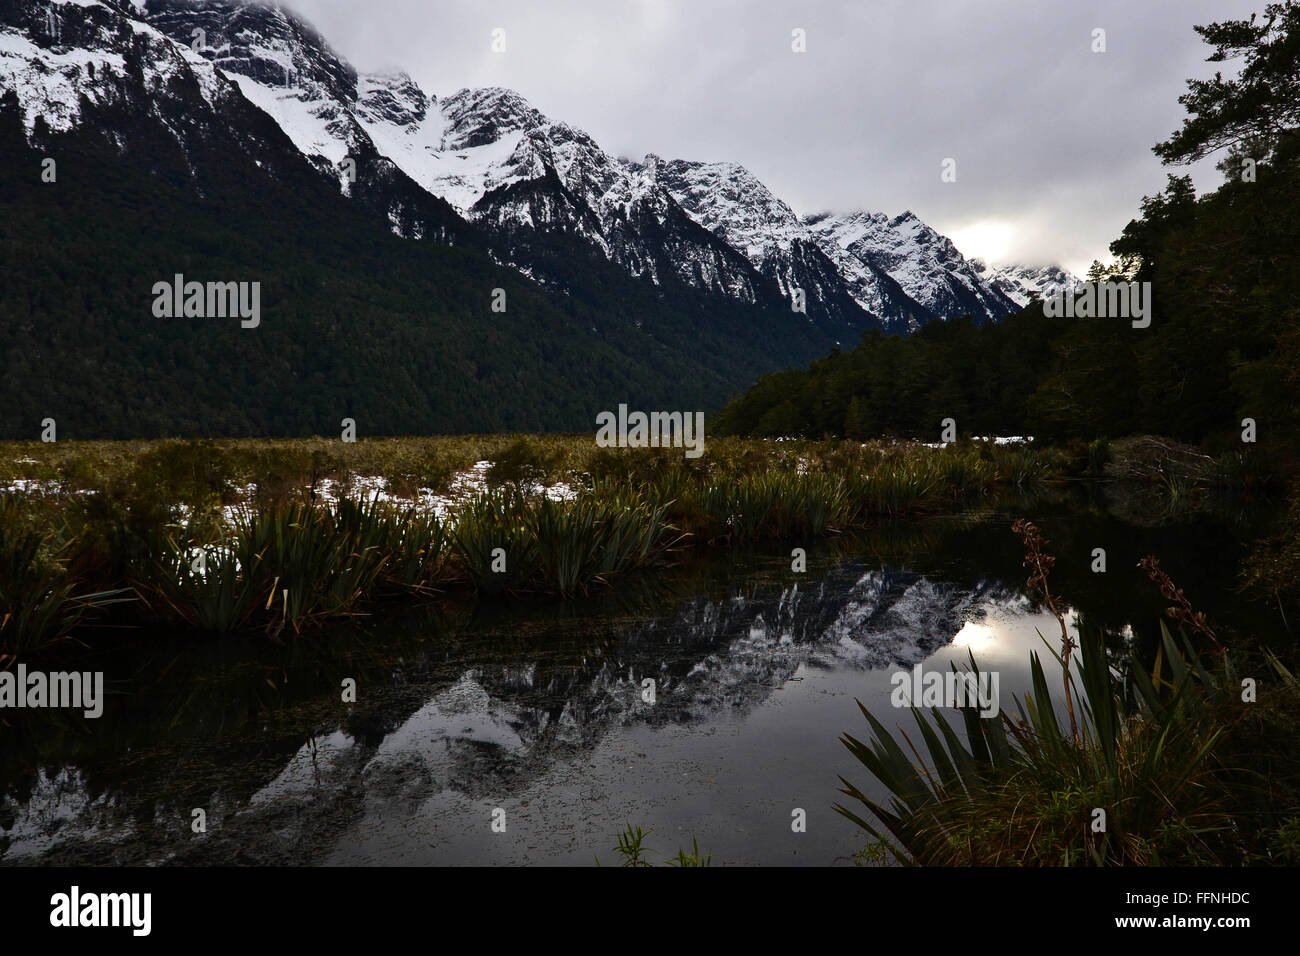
(356, 322)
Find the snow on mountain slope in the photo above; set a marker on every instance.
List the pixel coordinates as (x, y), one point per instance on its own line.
(543, 187)
(280, 65)
(50, 82)
(729, 200)
(898, 269)
(54, 53)
(502, 163)
(926, 264)
(1021, 284)
(489, 154)
(459, 149)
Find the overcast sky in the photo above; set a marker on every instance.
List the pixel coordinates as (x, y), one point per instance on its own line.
(1052, 141)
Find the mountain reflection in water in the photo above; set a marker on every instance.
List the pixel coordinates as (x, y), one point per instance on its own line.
(537, 710)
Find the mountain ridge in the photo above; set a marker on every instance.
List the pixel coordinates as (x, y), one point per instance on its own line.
(856, 271)
(466, 147)
(655, 294)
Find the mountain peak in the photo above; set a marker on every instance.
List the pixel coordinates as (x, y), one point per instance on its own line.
(59, 58)
(477, 117)
(922, 261)
(392, 97)
(500, 100)
(261, 41)
(1023, 283)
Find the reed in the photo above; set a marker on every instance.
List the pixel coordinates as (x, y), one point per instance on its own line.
(282, 567)
(778, 506)
(493, 547)
(896, 488)
(141, 514)
(508, 541)
(41, 601)
(1018, 466)
(1021, 788)
(631, 847)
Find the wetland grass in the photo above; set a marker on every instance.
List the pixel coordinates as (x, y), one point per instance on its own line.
(280, 535)
(1166, 764)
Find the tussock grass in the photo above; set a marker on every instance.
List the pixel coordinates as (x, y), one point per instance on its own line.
(42, 601)
(1164, 765)
(281, 568)
(1022, 790)
(309, 542)
(291, 566)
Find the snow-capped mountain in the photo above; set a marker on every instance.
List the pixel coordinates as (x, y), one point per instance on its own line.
(282, 66)
(924, 263)
(69, 64)
(730, 201)
(60, 58)
(1022, 284)
(505, 165)
(485, 167)
(498, 161)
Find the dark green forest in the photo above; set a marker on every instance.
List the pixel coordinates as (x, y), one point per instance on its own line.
(1224, 340)
(398, 334)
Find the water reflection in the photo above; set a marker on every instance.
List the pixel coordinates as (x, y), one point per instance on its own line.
(542, 711)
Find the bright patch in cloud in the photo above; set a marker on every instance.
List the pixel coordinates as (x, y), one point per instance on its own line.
(989, 239)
